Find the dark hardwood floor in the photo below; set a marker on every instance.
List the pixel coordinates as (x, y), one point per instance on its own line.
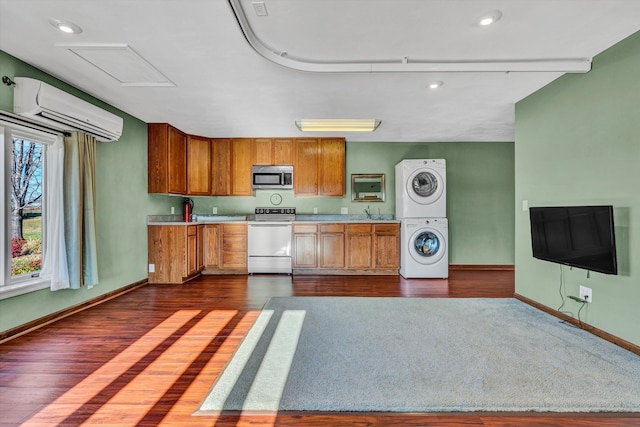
(148, 357)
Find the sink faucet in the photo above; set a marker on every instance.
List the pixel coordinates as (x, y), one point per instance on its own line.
(368, 212)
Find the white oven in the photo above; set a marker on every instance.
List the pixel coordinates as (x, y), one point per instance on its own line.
(269, 241)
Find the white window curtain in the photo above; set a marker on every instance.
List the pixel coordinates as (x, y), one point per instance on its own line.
(79, 208)
(54, 267)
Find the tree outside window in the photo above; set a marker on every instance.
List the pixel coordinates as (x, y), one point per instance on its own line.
(26, 207)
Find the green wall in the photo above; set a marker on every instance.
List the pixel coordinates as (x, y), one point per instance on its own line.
(122, 205)
(480, 194)
(577, 143)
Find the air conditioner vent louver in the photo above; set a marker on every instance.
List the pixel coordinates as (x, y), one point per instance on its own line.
(52, 106)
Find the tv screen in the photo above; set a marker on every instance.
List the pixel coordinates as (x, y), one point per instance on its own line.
(577, 236)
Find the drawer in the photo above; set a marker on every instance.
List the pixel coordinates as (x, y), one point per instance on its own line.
(359, 228)
(387, 228)
(332, 228)
(234, 260)
(234, 228)
(305, 228)
(192, 230)
(234, 243)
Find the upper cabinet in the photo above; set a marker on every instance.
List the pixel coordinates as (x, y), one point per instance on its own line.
(167, 159)
(194, 165)
(272, 151)
(220, 166)
(282, 150)
(331, 168)
(198, 166)
(262, 151)
(319, 167)
(241, 167)
(305, 167)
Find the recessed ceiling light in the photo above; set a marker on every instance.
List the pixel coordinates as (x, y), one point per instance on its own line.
(489, 18)
(435, 85)
(65, 26)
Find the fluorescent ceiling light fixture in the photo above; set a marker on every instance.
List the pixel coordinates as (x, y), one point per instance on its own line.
(489, 18)
(65, 26)
(338, 125)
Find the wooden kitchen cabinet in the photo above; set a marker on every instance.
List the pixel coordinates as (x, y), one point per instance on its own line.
(225, 248)
(282, 151)
(305, 167)
(234, 247)
(194, 165)
(331, 239)
(262, 151)
(359, 246)
(220, 166)
(241, 167)
(198, 166)
(200, 247)
(346, 248)
(194, 249)
(175, 252)
(212, 245)
(305, 246)
(167, 159)
(272, 151)
(386, 243)
(331, 169)
(319, 167)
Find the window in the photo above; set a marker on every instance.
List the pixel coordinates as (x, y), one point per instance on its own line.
(23, 222)
(26, 207)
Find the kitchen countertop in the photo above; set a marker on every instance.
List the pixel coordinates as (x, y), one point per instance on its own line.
(214, 219)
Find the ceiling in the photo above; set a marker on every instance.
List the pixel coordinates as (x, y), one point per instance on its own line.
(226, 71)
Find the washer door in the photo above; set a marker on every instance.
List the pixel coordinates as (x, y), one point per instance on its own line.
(425, 186)
(427, 246)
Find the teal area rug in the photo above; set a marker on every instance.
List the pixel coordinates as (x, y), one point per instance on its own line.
(421, 355)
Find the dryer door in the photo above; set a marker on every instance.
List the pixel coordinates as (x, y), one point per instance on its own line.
(425, 186)
(427, 246)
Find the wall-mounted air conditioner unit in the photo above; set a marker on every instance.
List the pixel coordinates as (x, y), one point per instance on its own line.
(54, 107)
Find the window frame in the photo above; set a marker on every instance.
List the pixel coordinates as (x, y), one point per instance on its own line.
(18, 285)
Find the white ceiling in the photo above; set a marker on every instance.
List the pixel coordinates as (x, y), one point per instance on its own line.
(225, 88)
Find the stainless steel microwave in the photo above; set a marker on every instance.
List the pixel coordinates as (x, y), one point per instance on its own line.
(278, 177)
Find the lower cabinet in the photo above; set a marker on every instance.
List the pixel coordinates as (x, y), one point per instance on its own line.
(359, 246)
(225, 249)
(346, 248)
(331, 240)
(386, 238)
(305, 246)
(175, 252)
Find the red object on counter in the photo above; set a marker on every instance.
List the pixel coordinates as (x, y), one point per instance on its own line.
(187, 209)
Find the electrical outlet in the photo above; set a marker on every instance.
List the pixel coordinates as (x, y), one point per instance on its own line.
(586, 294)
(525, 205)
(173, 210)
(315, 210)
(152, 268)
(214, 210)
(344, 211)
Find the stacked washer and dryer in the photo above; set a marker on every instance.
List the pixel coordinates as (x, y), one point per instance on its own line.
(421, 207)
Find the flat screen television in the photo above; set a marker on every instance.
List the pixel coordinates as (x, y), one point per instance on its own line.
(577, 236)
